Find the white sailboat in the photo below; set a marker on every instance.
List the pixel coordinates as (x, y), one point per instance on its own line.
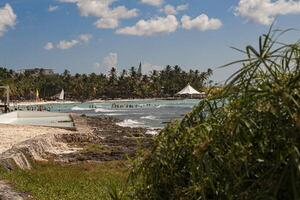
(62, 95)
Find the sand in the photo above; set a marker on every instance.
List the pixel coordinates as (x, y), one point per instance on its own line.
(13, 134)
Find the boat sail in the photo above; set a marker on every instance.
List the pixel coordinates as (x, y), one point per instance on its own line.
(62, 95)
(37, 95)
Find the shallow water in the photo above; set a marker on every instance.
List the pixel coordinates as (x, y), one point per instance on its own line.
(37, 118)
(63, 121)
(133, 113)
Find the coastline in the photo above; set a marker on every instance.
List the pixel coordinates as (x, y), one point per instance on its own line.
(12, 135)
(97, 140)
(127, 99)
(34, 103)
(151, 113)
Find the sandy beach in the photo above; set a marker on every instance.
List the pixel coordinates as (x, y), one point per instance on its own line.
(96, 140)
(13, 134)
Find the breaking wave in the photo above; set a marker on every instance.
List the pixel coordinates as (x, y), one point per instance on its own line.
(106, 110)
(114, 114)
(175, 106)
(80, 108)
(151, 117)
(130, 123)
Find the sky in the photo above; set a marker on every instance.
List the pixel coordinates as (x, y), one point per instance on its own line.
(86, 36)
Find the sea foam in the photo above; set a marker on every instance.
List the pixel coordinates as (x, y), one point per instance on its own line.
(151, 117)
(104, 110)
(151, 132)
(130, 123)
(80, 108)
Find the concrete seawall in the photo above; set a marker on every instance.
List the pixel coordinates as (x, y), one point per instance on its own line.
(36, 118)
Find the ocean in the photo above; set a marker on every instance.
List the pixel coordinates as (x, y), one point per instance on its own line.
(149, 113)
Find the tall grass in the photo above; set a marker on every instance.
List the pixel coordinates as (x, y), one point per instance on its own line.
(242, 143)
(85, 181)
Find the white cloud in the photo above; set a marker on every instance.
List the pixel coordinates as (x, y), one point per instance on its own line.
(108, 17)
(49, 46)
(108, 62)
(182, 7)
(265, 11)
(64, 44)
(107, 23)
(202, 23)
(148, 67)
(52, 8)
(171, 10)
(85, 37)
(153, 2)
(102, 9)
(7, 18)
(154, 26)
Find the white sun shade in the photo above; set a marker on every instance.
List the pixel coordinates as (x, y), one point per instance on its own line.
(188, 90)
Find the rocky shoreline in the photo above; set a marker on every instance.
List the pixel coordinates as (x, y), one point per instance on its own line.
(106, 142)
(97, 139)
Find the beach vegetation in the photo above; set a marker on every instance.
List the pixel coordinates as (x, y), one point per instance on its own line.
(95, 181)
(241, 143)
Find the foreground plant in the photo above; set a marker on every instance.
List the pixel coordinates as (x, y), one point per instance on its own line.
(240, 144)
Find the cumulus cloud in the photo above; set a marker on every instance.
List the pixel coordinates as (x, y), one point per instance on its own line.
(85, 37)
(65, 44)
(153, 2)
(265, 11)
(109, 17)
(7, 18)
(202, 23)
(172, 10)
(52, 8)
(169, 10)
(154, 26)
(107, 23)
(49, 46)
(108, 62)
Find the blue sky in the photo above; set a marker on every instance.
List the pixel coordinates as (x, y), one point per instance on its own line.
(93, 35)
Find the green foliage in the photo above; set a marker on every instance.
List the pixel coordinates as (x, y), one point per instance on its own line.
(84, 87)
(67, 182)
(242, 143)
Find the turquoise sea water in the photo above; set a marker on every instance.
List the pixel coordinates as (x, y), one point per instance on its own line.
(133, 113)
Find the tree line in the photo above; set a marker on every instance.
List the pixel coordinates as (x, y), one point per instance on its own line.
(126, 84)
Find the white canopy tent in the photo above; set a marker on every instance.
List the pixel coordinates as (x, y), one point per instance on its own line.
(190, 91)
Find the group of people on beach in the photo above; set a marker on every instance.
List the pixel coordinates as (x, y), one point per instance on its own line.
(114, 105)
(50, 107)
(92, 106)
(32, 108)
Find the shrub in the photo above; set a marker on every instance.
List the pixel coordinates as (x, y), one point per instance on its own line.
(242, 143)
